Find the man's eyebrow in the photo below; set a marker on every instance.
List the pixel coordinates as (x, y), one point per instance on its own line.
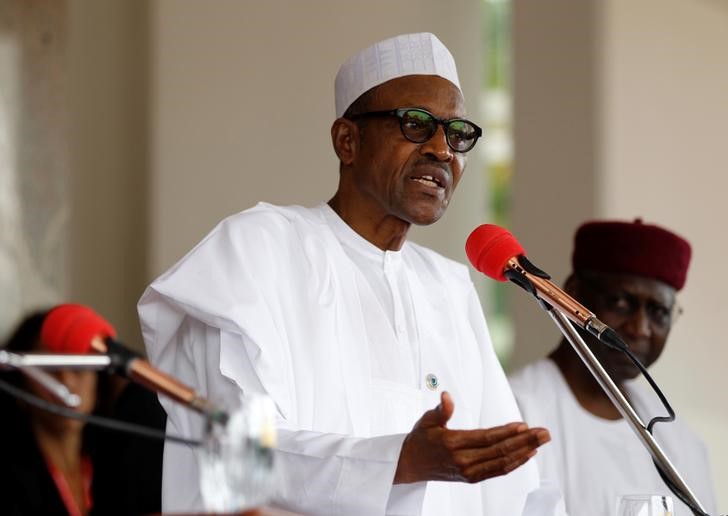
(625, 289)
(415, 106)
(421, 106)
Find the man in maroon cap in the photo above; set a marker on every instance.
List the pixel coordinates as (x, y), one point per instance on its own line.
(628, 274)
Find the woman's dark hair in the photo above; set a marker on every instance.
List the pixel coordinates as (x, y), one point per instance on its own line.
(26, 334)
(24, 339)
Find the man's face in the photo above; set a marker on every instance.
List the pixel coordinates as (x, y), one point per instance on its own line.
(638, 308)
(395, 177)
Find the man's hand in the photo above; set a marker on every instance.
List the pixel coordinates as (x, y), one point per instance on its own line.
(431, 451)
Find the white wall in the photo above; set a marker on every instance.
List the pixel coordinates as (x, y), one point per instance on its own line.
(34, 165)
(664, 125)
(107, 90)
(556, 144)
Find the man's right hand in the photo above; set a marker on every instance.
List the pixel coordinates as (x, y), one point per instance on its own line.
(431, 451)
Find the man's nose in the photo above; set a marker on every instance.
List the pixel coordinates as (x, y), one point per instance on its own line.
(639, 325)
(437, 146)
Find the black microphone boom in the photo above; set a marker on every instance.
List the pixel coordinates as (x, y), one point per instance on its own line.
(132, 365)
(523, 273)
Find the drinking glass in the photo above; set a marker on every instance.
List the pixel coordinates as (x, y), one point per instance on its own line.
(236, 460)
(644, 505)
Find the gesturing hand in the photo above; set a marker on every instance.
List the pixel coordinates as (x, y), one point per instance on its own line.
(431, 451)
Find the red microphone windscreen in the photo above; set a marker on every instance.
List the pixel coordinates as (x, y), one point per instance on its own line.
(70, 328)
(489, 247)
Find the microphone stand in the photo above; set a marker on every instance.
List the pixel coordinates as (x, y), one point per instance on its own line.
(516, 272)
(32, 365)
(620, 402)
(113, 356)
(10, 360)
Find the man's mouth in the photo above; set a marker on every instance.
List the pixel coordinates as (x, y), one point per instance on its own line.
(430, 181)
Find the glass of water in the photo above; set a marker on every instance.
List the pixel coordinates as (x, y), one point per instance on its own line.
(236, 460)
(644, 505)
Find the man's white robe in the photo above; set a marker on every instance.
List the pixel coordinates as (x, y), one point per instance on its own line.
(270, 302)
(594, 460)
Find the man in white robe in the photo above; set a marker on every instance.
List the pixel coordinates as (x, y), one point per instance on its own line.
(355, 333)
(628, 274)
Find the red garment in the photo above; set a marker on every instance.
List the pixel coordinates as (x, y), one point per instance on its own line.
(64, 490)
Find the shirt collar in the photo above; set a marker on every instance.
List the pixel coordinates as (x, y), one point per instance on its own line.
(354, 241)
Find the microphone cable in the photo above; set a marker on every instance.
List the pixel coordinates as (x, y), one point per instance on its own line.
(660, 419)
(104, 422)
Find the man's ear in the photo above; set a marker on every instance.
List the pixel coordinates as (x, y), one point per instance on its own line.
(345, 138)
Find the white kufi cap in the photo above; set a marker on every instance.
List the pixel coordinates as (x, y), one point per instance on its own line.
(408, 54)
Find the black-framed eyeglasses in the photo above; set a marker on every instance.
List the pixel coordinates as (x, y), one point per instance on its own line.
(418, 126)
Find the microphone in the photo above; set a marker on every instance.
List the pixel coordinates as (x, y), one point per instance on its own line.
(73, 328)
(495, 252)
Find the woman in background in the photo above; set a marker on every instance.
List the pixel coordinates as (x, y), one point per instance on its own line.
(53, 465)
(47, 469)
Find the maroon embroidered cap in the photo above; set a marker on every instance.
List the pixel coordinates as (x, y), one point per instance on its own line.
(632, 248)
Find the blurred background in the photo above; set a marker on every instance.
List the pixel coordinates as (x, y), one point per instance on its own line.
(128, 128)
